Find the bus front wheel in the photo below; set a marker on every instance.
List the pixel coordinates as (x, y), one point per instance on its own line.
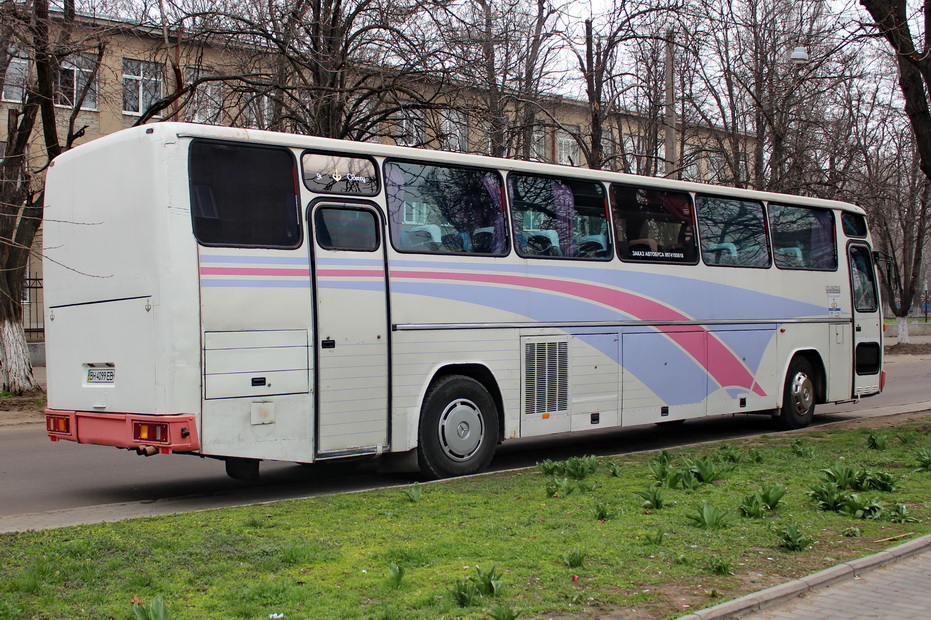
(458, 428)
(798, 396)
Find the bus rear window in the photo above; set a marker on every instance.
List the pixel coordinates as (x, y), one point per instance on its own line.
(244, 196)
(733, 232)
(803, 238)
(653, 225)
(445, 209)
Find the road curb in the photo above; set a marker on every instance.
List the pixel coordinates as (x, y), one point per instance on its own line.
(769, 597)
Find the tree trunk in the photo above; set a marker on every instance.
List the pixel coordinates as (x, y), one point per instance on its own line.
(902, 322)
(15, 368)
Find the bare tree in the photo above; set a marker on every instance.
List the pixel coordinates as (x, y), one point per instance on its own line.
(32, 35)
(498, 54)
(893, 20)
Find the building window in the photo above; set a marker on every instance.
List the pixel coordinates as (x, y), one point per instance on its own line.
(77, 73)
(206, 103)
(14, 85)
(411, 129)
(567, 149)
(538, 143)
(142, 85)
(454, 131)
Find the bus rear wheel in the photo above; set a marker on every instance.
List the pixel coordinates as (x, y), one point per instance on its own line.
(458, 428)
(798, 396)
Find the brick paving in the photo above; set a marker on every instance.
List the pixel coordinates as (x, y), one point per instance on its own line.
(899, 591)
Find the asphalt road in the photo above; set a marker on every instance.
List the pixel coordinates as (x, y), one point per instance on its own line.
(44, 484)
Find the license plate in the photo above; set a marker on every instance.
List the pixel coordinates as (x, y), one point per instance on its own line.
(101, 375)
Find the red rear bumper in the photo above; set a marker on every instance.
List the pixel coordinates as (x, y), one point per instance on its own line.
(121, 429)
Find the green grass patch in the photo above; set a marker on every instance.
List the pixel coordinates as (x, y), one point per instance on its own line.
(651, 532)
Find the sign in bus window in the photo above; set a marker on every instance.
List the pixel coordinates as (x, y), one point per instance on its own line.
(803, 238)
(562, 218)
(653, 225)
(445, 209)
(334, 174)
(243, 195)
(732, 232)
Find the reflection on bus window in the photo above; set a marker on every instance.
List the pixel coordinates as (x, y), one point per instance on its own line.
(559, 217)
(653, 225)
(854, 224)
(334, 174)
(803, 238)
(346, 229)
(445, 210)
(732, 232)
(244, 195)
(861, 278)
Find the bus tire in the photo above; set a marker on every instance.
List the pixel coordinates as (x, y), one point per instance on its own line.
(458, 428)
(798, 396)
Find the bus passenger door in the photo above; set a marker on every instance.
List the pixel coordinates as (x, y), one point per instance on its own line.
(867, 321)
(351, 329)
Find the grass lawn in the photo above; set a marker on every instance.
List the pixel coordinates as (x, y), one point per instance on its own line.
(561, 542)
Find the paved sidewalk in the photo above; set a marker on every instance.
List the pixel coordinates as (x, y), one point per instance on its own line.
(889, 585)
(898, 592)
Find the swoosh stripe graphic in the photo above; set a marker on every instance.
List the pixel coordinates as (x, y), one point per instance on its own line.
(729, 371)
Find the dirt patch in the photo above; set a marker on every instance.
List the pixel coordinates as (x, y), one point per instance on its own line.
(26, 409)
(909, 349)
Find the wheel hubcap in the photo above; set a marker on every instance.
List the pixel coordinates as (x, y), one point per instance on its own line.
(803, 393)
(461, 429)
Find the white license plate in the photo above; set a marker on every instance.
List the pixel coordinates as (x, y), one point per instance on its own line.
(101, 375)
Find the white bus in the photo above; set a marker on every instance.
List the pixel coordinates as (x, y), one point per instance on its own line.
(250, 295)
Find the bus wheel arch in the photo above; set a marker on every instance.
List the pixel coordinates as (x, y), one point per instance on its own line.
(460, 424)
(802, 389)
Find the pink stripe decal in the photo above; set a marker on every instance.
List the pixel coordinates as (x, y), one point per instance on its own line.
(729, 370)
(253, 271)
(351, 273)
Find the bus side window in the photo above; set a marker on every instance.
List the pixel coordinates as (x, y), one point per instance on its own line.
(733, 232)
(346, 229)
(243, 195)
(653, 225)
(803, 238)
(555, 217)
(436, 209)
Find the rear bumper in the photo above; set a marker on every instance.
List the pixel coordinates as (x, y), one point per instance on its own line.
(120, 429)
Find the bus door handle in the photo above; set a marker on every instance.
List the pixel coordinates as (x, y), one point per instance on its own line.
(331, 344)
(859, 329)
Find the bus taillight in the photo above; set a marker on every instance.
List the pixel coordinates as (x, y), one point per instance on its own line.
(57, 424)
(146, 431)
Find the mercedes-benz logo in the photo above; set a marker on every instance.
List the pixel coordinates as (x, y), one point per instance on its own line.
(463, 430)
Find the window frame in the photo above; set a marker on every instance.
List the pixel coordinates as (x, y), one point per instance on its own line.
(413, 162)
(656, 261)
(73, 63)
(772, 234)
(370, 160)
(140, 80)
(298, 222)
(320, 204)
(22, 76)
(767, 234)
(512, 213)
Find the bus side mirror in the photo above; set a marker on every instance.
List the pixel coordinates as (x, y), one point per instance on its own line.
(889, 270)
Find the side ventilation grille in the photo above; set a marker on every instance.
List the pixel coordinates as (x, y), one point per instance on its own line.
(546, 384)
